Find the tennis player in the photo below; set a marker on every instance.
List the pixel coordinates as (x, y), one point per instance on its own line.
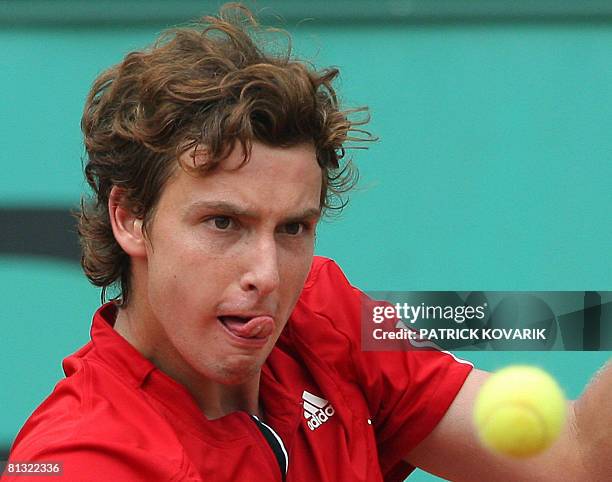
(230, 352)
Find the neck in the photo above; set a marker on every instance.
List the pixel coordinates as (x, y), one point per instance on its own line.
(214, 399)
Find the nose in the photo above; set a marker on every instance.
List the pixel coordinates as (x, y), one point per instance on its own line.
(262, 270)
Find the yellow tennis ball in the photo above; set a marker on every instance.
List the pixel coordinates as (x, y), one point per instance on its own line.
(519, 411)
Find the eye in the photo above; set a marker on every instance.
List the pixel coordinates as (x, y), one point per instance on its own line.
(222, 223)
(294, 229)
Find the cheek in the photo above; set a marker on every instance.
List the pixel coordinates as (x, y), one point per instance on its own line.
(187, 275)
(173, 274)
(294, 273)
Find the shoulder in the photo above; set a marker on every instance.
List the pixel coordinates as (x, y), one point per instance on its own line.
(100, 429)
(325, 322)
(322, 271)
(328, 301)
(319, 264)
(328, 293)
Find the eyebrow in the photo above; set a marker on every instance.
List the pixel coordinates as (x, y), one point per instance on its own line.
(238, 211)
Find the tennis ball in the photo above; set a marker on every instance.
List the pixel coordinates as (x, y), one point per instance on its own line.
(519, 411)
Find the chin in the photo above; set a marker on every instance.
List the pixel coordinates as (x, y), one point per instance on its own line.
(230, 378)
(237, 373)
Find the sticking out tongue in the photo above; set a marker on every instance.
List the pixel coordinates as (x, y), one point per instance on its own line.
(256, 327)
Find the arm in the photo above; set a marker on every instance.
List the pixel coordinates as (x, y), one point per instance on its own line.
(594, 426)
(582, 452)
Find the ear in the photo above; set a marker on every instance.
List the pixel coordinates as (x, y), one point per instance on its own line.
(127, 228)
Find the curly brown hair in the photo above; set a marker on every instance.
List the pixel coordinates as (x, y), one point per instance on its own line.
(210, 84)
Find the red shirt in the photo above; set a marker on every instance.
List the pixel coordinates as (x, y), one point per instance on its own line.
(343, 414)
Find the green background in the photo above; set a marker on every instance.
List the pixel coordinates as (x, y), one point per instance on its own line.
(492, 171)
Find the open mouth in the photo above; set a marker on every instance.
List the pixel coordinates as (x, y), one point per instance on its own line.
(257, 327)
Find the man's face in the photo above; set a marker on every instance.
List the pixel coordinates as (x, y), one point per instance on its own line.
(227, 257)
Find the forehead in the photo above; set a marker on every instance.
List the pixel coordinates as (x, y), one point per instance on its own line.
(278, 178)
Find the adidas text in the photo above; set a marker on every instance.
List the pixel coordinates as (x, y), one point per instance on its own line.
(320, 417)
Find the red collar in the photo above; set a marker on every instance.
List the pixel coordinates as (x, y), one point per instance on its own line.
(115, 350)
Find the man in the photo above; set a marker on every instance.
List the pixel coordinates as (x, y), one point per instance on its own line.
(231, 353)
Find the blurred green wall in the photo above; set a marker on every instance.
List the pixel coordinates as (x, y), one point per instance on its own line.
(492, 171)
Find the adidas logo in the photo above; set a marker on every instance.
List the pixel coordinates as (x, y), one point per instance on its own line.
(317, 410)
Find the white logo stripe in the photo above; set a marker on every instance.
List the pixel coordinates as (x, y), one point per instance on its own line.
(313, 399)
(310, 408)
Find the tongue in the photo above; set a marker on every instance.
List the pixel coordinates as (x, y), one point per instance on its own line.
(257, 327)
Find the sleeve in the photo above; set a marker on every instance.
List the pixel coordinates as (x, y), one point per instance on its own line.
(407, 392)
(98, 461)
